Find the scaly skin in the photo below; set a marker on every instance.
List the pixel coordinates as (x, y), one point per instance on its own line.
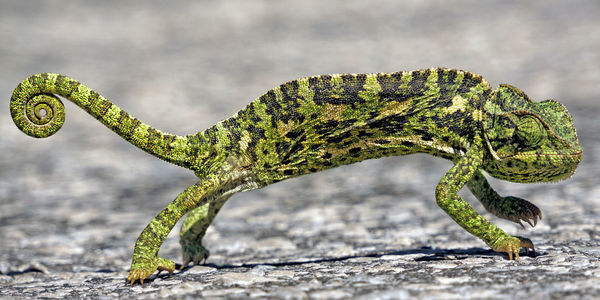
(316, 123)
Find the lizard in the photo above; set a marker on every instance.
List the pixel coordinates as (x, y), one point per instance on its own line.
(321, 122)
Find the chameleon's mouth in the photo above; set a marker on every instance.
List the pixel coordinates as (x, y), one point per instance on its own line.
(575, 156)
(559, 159)
(578, 155)
(562, 165)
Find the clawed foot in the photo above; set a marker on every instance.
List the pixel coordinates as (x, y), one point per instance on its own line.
(142, 269)
(512, 245)
(518, 210)
(195, 253)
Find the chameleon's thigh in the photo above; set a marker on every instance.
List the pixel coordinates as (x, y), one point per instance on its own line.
(509, 208)
(194, 227)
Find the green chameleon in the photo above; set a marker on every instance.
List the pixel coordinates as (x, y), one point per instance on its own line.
(321, 122)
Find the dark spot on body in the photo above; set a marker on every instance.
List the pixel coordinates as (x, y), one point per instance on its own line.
(294, 134)
(397, 76)
(259, 133)
(354, 150)
(295, 148)
(324, 128)
(255, 118)
(417, 83)
(289, 92)
(389, 87)
(426, 136)
(326, 81)
(361, 78)
(327, 155)
(288, 115)
(339, 138)
(363, 134)
(93, 99)
(104, 107)
(446, 81)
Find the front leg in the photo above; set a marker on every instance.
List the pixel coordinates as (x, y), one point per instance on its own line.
(463, 214)
(145, 255)
(509, 208)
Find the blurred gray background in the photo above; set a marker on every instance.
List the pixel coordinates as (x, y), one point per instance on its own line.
(72, 205)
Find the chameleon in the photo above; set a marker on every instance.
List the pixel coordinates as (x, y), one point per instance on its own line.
(321, 122)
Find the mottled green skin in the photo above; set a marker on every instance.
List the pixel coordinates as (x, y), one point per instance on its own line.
(316, 123)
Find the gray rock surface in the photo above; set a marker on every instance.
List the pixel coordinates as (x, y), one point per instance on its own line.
(71, 206)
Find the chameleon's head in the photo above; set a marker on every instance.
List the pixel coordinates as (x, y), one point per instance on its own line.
(529, 141)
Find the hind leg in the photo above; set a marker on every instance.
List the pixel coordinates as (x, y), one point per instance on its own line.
(195, 224)
(193, 229)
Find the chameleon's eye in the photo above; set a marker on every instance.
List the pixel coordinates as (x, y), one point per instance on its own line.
(529, 131)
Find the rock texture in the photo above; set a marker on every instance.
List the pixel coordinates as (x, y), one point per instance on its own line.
(71, 206)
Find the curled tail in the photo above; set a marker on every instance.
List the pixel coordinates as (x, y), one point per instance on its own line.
(38, 112)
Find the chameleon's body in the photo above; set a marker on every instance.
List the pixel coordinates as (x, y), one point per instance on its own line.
(316, 123)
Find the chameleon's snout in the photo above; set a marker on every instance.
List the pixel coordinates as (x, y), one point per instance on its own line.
(571, 161)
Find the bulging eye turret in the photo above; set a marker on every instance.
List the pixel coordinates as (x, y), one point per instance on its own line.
(529, 131)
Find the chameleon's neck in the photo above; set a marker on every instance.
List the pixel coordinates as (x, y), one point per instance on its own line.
(38, 113)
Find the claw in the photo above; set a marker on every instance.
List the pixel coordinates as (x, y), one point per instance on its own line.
(513, 245)
(530, 222)
(135, 276)
(142, 270)
(521, 210)
(161, 268)
(527, 244)
(194, 253)
(185, 263)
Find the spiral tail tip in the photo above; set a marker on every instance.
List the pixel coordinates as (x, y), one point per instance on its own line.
(38, 116)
